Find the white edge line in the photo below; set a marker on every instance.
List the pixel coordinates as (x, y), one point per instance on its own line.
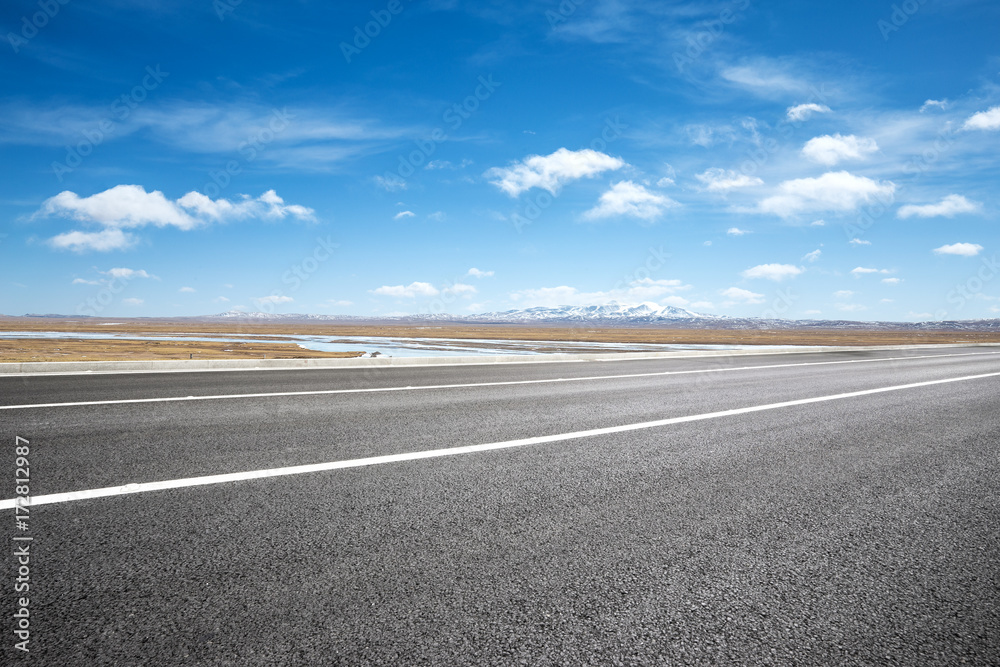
(470, 385)
(451, 451)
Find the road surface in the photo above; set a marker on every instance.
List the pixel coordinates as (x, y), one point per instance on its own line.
(828, 508)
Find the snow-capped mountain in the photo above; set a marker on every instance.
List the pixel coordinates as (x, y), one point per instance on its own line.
(610, 312)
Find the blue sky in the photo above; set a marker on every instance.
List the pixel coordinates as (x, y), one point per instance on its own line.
(742, 158)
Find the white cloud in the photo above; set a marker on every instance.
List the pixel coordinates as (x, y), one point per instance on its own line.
(188, 290)
(220, 299)
(103, 241)
(736, 231)
(859, 242)
(130, 206)
(476, 273)
(391, 184)
(948, 207)
(272, 299)
(812, 256)
(766, 77)
(843, 294)
(818, 223)
(664, 182)
(861, 270)
(128, 274)
(551, 172)
(930, 104)
(801, 112)
(829, 150)
(437, 216)
(963, 249)
(410, 291)
(404, 214)
(628, 198)
(777, 272)
(132, 301)
(81, 281)
(720, 180)
(891, 281)
(459, 288)
(833, 191)
(742, 295)
(984, 120)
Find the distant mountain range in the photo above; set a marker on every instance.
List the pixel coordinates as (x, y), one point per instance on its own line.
(624, 315)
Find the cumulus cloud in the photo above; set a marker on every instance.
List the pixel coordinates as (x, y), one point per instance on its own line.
(801, 112)
(984, 120)
(859, 242)
(476, 273)
(777, 272)
(130, 206)
(812, 256)
(630, 199)
(720, 180)
(948, 207)
(963, 249)
(736, 231)
(410, 291)
(830, 149)
(103, 241)
(833, 191)
(187, 290)
(742, 295)
(551, 172)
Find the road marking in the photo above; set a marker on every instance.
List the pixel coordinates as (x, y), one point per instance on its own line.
(452, 451)
(370, 390)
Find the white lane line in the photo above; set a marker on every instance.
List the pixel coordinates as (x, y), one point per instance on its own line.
(451, 451)
(170, 399)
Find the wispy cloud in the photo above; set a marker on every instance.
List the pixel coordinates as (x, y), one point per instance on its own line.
(410, 291)
(948, 207)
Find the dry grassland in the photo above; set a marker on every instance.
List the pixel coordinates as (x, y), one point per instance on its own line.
(112, 349)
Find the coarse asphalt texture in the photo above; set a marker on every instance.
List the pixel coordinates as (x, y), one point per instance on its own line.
(860, 530)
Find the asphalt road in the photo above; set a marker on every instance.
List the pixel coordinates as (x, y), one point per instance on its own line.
(857, 530)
